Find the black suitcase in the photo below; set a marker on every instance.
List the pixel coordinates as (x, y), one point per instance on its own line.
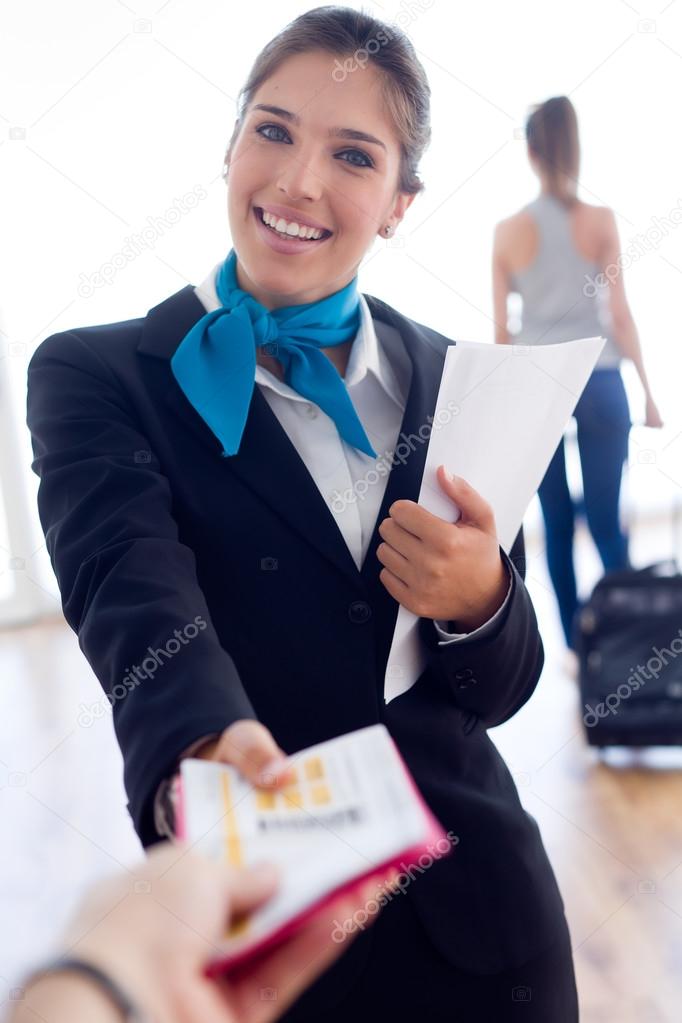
(628, 639)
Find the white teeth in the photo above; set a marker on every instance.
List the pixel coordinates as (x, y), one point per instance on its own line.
(292, 229)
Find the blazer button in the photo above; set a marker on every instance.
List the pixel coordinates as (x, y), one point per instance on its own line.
(359, 612)
(465, 678)
(469, 723)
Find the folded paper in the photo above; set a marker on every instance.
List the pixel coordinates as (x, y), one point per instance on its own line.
(500, 414)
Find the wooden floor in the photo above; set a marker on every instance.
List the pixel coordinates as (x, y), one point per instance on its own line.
(613, 829)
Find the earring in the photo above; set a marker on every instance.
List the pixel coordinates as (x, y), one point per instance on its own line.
(387, 230)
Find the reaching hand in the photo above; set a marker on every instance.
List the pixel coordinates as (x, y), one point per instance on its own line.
(250, 747)
(155, 929)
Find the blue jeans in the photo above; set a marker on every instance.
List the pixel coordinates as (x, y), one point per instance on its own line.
(603, 419)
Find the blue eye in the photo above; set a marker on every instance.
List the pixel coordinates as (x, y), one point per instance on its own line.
(356, 152)
(263, 127)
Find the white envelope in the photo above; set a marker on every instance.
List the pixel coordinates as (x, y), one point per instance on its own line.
(500, 414)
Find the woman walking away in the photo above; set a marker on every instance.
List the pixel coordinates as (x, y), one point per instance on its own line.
(560, 253)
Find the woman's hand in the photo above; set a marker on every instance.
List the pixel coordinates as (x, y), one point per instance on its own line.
(444, 570)
(155, 929)
(250, 747)
(652, 416)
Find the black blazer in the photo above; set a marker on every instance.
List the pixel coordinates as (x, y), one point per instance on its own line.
(149, 527)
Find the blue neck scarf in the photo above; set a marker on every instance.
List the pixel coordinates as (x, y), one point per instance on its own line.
(215, 363)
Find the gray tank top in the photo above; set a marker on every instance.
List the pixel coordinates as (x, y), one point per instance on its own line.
(558, 288)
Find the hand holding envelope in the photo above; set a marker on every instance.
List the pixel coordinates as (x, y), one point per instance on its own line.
(500, 414)
(440, 569)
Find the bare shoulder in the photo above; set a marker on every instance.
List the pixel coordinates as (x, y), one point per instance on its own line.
(594, 229)
(513, 234)
(599, 218)
(512, 225)
(515, 241)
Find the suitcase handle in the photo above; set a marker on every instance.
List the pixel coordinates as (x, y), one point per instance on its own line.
(661, 569)
(672, 565)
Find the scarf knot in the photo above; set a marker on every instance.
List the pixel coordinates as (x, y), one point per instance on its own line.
(215, 363)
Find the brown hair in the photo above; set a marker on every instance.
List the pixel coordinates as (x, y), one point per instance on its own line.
(360, 39)
(552, 135)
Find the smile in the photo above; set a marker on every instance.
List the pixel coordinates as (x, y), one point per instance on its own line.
(284, 237)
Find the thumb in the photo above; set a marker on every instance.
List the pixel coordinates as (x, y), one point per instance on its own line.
(250, 747)
(250, 887)
(474, 508)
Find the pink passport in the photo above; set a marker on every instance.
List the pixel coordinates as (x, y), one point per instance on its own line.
(427, 837)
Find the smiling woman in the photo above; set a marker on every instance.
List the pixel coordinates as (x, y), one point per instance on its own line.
(301, 168)
(180, 477)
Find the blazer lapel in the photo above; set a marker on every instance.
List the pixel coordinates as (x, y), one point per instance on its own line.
(269, 463)
(404, 480)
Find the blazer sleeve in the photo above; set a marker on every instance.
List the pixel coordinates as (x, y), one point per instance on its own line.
(128, 586)
(492, 677)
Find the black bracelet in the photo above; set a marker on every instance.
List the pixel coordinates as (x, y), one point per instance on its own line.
(130, 1012)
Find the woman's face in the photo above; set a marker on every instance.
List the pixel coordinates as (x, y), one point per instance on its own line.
(346, 185)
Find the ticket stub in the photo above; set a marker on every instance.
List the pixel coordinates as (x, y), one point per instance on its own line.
(352, 809)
